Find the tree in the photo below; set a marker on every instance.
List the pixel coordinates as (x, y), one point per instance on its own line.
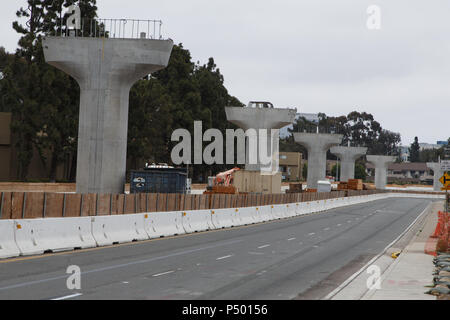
(305, 171)
(414, 150)
(360, 171)
(43, 100)
(337, 168)
(174, 98)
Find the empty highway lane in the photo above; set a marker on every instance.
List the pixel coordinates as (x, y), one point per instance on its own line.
(282, 259)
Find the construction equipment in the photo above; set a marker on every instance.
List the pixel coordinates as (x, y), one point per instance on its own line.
(222, 183)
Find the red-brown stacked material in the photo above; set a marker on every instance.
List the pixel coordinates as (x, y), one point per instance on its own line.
(342, 186)
(355, 184)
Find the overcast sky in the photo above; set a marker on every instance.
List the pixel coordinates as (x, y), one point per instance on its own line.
(316, 55)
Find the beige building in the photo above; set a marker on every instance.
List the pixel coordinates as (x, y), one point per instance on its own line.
(291, 165)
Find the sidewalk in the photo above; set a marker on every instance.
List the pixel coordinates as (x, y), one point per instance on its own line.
(404, 278)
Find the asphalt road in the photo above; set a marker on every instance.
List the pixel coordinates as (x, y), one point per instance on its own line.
(283, 259)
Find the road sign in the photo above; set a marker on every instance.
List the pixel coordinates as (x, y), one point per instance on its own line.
(445, 180)
(445, 188)
(445, 165)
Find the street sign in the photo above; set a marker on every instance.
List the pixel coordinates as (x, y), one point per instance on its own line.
(445, 165)
(445, 180)
(445, 188)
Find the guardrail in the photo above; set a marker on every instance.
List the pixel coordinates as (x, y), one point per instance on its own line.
(112, 28)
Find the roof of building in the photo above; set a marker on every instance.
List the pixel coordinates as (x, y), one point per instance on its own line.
(403, 166)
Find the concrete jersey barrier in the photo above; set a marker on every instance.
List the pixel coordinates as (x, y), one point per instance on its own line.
(8, 245)
(35, 236)
(163, 224)
(223, 218)
(197, 220)
(108, 230)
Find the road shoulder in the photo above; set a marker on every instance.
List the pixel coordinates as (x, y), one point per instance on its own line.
(404, 278)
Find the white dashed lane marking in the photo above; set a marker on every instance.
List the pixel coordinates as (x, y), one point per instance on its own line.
(225, 257)
(163, 273)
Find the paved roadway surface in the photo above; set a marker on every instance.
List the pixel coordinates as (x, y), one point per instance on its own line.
(283, 259)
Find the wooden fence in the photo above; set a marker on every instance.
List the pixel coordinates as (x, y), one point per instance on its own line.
(28, 205)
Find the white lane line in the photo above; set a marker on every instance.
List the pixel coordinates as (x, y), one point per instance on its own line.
(339, 225)
(326, 229)
(69, 296)
(224, 257)
(163, 273)
(290, 239)
(311, 234)
(117, 266)
(264, 246)
(349, 221)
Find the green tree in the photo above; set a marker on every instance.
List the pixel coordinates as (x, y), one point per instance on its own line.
(43, 101)
(414, 151)
(333, 171)
(305, 171)
(360, 171)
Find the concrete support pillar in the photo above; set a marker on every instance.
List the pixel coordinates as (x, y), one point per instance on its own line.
(347, 157)
(260, 118)
(105, 70)
(438, 173)
(381, 164)
(317, 145)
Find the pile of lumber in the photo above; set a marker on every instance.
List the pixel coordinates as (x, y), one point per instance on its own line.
(342, 186)
(355, 184)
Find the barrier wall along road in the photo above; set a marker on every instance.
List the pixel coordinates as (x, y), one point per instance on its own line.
(196, 220)
(35, 236)
(163, 224)
(8, 245)
(108, 230)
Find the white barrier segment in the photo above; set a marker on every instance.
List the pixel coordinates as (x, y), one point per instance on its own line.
(328, 204)
(278, 211)
(236, 217)
(259, 214)
(196, 220)
(298, 210)
(222, 218)
(35, 236)
(291, 210)
(163, 224)
(108, 230)
(247, 215)
(8, 246)
(264, 213)
(305, 207)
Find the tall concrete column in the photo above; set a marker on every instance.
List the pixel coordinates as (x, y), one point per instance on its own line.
(381, 164)
(438, 173)
(260, 118)
(347, 157)
(317, 145)
(105, 70)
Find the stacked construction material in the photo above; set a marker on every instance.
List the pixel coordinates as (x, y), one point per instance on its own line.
(355, 184)
(295, 188)
(441, 279)
(342, 186)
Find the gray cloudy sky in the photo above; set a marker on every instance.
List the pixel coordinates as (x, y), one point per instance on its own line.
(316, 55)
